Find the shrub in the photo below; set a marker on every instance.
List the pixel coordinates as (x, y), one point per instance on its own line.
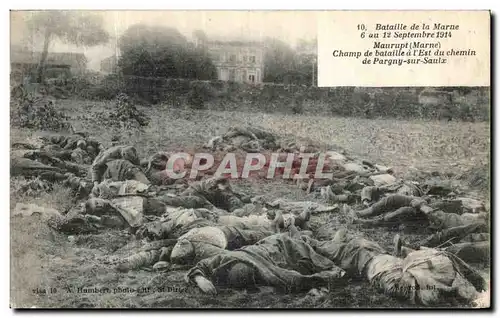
(37, 112)
(199, 93)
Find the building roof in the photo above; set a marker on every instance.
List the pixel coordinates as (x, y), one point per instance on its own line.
(53, 58)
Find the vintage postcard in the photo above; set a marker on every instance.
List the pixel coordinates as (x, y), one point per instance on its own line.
(250, 159)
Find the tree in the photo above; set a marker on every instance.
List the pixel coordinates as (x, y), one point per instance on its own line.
(151, 38)
(278, 60)
(156, 51)
(79, 28)
(306, 60)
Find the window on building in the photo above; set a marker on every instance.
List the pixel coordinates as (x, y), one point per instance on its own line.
(251, 78)
(232, 58)
(244, 58)
(224, 74)
(252, 59)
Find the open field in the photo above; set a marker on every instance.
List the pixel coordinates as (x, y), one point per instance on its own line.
(433, 145)
(42, 258)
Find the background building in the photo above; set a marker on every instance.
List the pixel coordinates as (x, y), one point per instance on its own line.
(237, 61)
(25, 62)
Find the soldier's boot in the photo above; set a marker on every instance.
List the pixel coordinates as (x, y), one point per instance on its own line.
(397, 245)
(376, 221)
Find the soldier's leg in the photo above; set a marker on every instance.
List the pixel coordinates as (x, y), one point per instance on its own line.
(386, 204)
(188, 202)
(63, 155)
(471, 252)
(237, 237)
(52, 176)
(454, 234)
(79, 170)
(141, 259)
(476, 237)
(375, 221)
(56, 162)
(30, 168)
(388, 219)
(43, 156)
(400, 214)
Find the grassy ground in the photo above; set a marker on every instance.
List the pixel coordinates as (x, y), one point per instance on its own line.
(43, 259)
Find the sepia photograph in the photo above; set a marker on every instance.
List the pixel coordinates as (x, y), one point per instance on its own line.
(250, 159)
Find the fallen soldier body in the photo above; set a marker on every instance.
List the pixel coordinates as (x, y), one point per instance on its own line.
(78, 155)
(372, 194)
(215, 191)
(137, 205)
(249, 139)
(426, 277)
(289, 265)
(80, 152)
(470, 242)
(100, 164)
(465, 235)
(155, 168)
(297, 207)
(396, 209)
(122, 170)
(197, 235)
(207, 240)
(50, 160)
(32, 160)
(71, 142)
(178, 221)
(76, 147)
(96, 214)
(51, 175)
(350, 176)
(113, 205)
(201, 233)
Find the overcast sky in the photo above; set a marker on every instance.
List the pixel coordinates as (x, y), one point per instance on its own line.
(288, 26)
